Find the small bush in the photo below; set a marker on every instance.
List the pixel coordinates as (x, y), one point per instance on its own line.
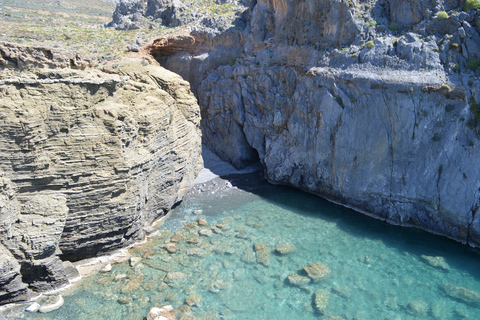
(370, 44)
(471, 5)
(449, 107)
(473, 64)
(442, 15)
(454, 45)
(393, 26)
(456, 68)
(232, 61)
(445, 87)
(371, 23)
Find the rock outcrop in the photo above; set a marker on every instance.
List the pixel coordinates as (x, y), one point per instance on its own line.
(372, 105)
(88, 159)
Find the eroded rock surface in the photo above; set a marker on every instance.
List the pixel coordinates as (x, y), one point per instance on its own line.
(384, 122)
(87, 160)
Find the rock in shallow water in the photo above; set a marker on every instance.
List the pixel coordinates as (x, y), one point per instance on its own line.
(175, 279)
(285, 248)
(107, 268)
(298, 280)
(263, 254)
(33, 307)
(193, 300)
(462, 294)
(417, 307)
(320, 300)
(317, 271)
(170, 247)
(53, 303)
(165, 313)
(133, 284)
(205, 232)
(436, 262)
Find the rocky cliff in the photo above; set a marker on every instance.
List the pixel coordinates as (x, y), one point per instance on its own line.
(371, 104)
(88, 160)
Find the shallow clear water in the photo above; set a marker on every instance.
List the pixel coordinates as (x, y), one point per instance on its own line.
(377, 271)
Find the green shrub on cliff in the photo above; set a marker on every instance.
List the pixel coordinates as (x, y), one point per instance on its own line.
(232, 61)
(471, 5)
(442, 15)
(473, 64)
(393, 26)
(370, 44)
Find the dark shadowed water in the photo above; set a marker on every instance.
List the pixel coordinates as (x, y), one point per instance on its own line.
(377, 271)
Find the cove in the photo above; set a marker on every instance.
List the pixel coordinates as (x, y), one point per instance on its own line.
(229, 269)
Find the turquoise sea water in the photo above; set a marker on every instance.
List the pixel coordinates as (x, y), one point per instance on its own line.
(377, 271)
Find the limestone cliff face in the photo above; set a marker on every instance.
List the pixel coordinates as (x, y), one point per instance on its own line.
(386, 127)
(87, 160)
(371, 104)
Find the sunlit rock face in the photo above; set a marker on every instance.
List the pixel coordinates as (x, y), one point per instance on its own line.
(88, 160)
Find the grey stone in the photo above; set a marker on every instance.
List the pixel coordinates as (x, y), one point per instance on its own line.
(52, 303)
(133, 47)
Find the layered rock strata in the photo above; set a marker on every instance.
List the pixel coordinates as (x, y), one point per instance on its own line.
(88, 159)
(372, 105)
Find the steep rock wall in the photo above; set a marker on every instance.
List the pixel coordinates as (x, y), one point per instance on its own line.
(88, 159)
(388, 129)
(394, 146)
(371, 104)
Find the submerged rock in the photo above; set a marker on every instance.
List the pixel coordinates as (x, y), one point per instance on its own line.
(298, 280)
(328, 317)
(134, 261)
(263, 254)
(205, 232)
(120, 276)
(175, 279)
(317, 271)
(170, 247)
(391, 303)
(125, 300)
(176, 238)
(342, 291)
(165, 313)
(320, 300)
(436, 262)
(193, 300)
(210, 315)
(462, 294)
(133, 284)
(149, 253)
(248, 256)
(198, 252)
(52, 303)
(202, 222)
(418, 307)
(216, 285)
(285, 248)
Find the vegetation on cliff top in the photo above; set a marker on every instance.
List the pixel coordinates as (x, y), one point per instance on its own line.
(70, 24)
